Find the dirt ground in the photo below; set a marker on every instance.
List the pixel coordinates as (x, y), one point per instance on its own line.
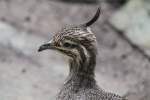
(26, 74)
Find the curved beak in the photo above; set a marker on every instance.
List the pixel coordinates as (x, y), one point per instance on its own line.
(45, 47)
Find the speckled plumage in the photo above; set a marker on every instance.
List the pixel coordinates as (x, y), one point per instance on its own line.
(79, 44)
(85, 89)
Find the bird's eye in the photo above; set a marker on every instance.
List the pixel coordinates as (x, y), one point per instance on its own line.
(68, 45)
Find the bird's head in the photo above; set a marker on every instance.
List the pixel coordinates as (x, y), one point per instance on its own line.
(73, 40)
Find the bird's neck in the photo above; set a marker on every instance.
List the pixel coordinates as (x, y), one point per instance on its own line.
(82, 70)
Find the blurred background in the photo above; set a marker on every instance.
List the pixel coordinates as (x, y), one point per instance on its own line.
(123, 35)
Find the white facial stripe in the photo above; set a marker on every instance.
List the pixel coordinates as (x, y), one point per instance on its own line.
(89, 29)
(85, 51)
(49, 41)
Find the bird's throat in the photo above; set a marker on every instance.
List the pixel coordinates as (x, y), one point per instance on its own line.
(82, 71)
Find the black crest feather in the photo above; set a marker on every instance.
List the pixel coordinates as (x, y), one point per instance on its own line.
(94, 19)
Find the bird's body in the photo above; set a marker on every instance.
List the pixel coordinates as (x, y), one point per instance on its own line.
(84, 89)
(79, 44)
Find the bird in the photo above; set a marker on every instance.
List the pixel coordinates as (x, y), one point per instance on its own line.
(79, 43)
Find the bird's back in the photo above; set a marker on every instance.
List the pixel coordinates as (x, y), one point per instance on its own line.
(72, 92)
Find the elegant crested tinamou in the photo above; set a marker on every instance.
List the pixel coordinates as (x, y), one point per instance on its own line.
(78, 42)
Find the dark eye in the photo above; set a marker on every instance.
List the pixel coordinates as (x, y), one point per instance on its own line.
(68, 45)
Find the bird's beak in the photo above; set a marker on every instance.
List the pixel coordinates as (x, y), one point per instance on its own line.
(45, 46)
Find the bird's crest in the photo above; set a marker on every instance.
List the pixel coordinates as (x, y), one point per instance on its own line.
(94, 19)
(78, 31)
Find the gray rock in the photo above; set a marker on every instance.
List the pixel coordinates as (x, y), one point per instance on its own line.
(26, 74)
(134, 20)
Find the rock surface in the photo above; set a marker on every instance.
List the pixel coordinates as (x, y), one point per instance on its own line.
(28, 75)
(134, 20)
